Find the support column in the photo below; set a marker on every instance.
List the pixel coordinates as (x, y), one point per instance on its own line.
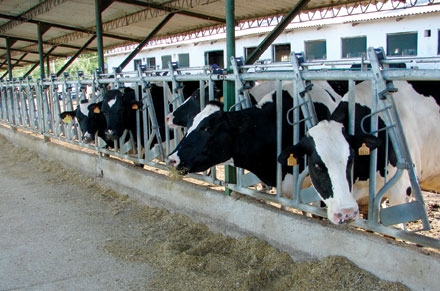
(229, 86)
(41, 29)
(9, 43)
(99, 41)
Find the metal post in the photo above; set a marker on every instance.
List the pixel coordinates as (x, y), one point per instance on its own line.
(9, 43)
(40, 49)
(229, 98)
(99, 40)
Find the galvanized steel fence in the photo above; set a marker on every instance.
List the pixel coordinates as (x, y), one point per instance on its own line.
(35, 106)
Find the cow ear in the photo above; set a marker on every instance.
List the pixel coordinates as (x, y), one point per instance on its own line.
(67, 116)
(136, 105)
(364, 144)
(290, 155)
(95, 107)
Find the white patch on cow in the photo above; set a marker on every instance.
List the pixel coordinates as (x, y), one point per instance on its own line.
(207, 111)
(334, 151)
(266, 99)
(111, 102)
(83, 108)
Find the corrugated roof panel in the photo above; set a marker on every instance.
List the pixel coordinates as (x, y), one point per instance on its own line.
(126, 21)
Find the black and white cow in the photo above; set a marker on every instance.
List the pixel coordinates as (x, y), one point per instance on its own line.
(91, 121)
(249, 137)
(120, 111)
(183, 115)
(331, 151)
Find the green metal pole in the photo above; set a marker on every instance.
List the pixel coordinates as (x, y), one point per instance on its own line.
(229, 86)
(9, 43)
(40, 49)
(99, 40)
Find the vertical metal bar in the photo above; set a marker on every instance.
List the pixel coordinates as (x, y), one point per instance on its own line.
(9, 43)
(279, 125)
(99, 40)
(372, 211)
(230, 172)
(40, 49)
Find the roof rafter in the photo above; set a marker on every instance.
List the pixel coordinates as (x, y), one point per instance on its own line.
(168, 8)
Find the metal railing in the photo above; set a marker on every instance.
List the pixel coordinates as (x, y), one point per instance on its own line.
(35, 106)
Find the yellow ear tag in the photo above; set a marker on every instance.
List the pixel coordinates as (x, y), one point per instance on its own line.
(364, 150)
(221, 99)
(291, 161)
(134, 107)
(67, 119)
(96, 110)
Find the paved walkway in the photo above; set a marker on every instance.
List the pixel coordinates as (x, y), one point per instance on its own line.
(51, 238)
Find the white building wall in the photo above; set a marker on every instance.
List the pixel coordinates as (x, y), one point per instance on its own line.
(375, 30)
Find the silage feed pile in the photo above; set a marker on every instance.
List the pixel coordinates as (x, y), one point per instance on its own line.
(187, 255)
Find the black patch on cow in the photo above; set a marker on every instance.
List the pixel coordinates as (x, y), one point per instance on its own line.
(185, 113)
(362, 163)
(319, 172)
(427, 89)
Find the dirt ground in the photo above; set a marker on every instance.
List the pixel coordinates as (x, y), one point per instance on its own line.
(187, 255)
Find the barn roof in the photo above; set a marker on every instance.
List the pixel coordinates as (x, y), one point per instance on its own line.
(68, 26)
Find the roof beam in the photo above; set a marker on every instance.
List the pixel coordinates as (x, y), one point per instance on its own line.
(147, 39)
(28, 51)
(36, 41)
(270, 38)
(70, 61)
(173, 10)
(65, 27)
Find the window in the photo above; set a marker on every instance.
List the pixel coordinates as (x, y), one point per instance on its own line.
(215, 57)
(183, 60)
(165, 60)
(151, 63)
(137, 63)
(438, 43)
(315, 50)
(281, 52)
(248, 51)
(354, 47)
(402, 44)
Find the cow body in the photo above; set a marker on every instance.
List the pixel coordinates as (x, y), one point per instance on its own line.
(419, 116)
(249, 138)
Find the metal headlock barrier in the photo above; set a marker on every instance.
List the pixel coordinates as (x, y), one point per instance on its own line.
(35, 106)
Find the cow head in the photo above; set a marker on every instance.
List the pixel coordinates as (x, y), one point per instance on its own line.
(330, 153)
(119, 111)
(203, 145)
(184, 114)
(87, 123)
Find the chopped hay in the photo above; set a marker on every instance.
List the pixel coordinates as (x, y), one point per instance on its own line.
(187, 255)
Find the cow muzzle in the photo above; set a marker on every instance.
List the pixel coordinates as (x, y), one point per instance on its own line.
(344, 216)
(173, 162)
(169, 120)
(110, 134)
(87, 138)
